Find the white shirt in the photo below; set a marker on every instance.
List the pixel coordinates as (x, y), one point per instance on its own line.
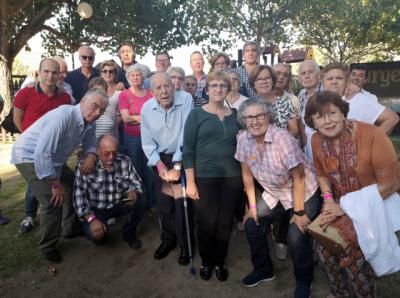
(364, 108)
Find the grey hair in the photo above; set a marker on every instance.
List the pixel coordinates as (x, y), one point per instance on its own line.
(135, 67)
(232, 71)
(96, 92)
(313, 63)
(255, 101)
(250, 43)
(157, 74)
(177, 69)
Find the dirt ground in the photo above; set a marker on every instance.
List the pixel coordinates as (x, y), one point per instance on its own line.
(115, 270)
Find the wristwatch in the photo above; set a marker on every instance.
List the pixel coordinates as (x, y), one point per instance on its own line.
(177, 167)
(299, 212)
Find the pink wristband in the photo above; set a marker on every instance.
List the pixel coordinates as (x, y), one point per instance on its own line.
(327, 196)
(91, 218)
(160, 167)
(253, 206)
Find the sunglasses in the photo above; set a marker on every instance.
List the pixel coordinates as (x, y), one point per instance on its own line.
(110, 71)
(90, 58)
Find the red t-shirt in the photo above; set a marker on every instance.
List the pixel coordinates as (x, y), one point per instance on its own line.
(35, 103)
(132, 103)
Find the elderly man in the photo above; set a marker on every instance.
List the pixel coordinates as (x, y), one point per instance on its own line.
(112, 190)
(197, 65)
(80, 77)
(250, 55)
(40, 154)
(359, 77)
(127, 55)
(31, 103)
(163, 119)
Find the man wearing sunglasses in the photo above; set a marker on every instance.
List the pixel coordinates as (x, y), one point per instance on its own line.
(80, 77)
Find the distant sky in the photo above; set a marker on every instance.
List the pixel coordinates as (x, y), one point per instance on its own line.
(181, 56)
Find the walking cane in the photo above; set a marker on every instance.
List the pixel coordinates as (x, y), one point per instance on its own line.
(185, 205)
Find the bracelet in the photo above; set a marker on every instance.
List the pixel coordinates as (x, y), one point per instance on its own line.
(55, 185)
(91, 218)
(160, 167)
(253, 206)
(327, 196)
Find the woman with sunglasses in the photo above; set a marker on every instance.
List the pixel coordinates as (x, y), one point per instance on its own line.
(108, 122)
(287, 181)
(213, 175)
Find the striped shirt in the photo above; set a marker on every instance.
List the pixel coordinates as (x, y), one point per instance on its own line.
(108, 122)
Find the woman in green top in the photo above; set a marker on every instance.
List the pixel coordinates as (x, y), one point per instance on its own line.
(213, 175)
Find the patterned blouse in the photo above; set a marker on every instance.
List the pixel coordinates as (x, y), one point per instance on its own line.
(284, 112)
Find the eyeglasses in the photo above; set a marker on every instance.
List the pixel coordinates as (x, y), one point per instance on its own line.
(176, 78)
(220, 64)
(90, 58)
(265, 79)
(258, 117)
(110, 71)
(284, 74)
(218, 86)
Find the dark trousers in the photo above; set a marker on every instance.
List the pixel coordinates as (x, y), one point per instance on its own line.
(300, 245)
(215, 210)
(52, 219)
(31, 203)
(135, 214)
(169, 197)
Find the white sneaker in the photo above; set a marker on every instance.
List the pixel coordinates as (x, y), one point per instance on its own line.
(26, 225)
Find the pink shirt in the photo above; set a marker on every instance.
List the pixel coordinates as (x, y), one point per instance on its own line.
(272, 170)
(132, 103)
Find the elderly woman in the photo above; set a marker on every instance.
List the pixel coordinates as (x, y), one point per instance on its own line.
(287, 181)
(348, 156)
(263, 80)
(190, 86)
(108, 122)
(177, 75)
(213, 175)
(335, 78)
(219, 62)
(234, 98)
(130, 104)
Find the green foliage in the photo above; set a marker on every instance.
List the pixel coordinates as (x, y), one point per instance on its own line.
(153, 24)
(19, 68)
(348, 30)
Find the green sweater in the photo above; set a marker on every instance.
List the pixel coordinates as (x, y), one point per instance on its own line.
(209, 144)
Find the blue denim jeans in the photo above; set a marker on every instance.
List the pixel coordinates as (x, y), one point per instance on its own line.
(31, 203)
(300, 245)
(135, 214)
(133, 148)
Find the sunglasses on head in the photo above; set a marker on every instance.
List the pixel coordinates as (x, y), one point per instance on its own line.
(90, 58)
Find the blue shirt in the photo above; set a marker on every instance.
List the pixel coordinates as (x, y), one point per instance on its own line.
(162, 131)
(50, 141)
(79, 82)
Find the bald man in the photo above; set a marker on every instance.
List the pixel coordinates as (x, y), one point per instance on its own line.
(80, 77)
(113, 189)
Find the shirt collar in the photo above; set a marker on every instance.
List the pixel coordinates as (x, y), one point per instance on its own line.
(78, 112)
(40, 90)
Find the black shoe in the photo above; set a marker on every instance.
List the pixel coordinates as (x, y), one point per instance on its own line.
(184, 258)
(206, 272)
(162, 251)
(221, 273)
(53, 256)
(135, 243)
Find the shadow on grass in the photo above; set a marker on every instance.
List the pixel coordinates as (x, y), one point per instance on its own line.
(18, 252)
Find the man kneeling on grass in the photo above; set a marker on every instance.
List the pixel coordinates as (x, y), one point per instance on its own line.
(112, 190)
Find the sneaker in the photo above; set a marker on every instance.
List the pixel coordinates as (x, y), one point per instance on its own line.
(254, 278)
(3, 220)
(26, 225)
(281, 251)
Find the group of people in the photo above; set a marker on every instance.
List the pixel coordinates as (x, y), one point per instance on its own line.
(247, 146)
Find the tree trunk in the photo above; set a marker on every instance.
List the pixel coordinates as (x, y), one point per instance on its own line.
(5, 82)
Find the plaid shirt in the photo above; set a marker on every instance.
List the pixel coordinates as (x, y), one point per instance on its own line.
(272, 170)
(104, 189)
(201, 84)
(245, 88)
